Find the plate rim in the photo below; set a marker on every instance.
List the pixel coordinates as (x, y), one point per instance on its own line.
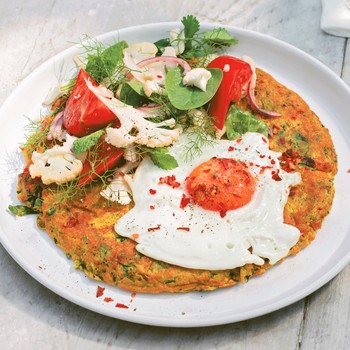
(146, 320)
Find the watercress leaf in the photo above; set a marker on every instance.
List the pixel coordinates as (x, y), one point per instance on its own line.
(84, 143)
(219, 37)
(21, 210)
(103, 64)
(132, 95)
(189, 97)
(162, 159)
(239, 122)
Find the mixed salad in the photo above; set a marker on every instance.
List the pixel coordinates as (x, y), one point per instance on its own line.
(131, 100)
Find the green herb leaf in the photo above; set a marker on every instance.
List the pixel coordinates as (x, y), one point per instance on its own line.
(219, 37)
(84, 143)
(161, 45)
(162, 159)
(239, 122)
(103, 64)
(21, 210)
(189, 97)
(132, 94)
(191, 27)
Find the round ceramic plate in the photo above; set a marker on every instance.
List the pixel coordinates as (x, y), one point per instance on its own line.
(297, 277)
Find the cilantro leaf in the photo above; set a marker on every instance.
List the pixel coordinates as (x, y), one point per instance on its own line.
(84, 143)
(162, 159)
(219, 37)
(191, 27)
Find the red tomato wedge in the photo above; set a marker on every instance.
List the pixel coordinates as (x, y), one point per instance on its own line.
(236, 77)
(104, 158)
(84, 112)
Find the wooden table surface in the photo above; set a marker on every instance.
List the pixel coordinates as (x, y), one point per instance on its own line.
(33, 317)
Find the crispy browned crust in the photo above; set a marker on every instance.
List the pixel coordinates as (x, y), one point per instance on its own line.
(84, 226)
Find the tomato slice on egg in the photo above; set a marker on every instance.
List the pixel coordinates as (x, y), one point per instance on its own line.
(221, 184)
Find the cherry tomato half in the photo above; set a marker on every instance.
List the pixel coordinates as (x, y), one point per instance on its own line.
(84, 112)
(236, 76)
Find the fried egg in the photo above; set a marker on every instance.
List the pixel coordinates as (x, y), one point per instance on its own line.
(219, 210)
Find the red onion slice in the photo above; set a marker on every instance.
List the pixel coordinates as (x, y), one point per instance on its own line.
(55, 130)
(186, 67)
(251, 92)
(254, 104)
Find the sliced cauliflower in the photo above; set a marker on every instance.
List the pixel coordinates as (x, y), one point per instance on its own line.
(118, 190)
(57, 164)
(177, 40)
(134, 126)
(197, 77)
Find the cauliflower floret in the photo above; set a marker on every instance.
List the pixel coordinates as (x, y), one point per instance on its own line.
(198, 77)
(153, 75)
(177, 40)
(140, 51)
(57, 164)
(118, 190)
(134, 126)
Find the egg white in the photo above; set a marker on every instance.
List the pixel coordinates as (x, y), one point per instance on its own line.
(193, 237)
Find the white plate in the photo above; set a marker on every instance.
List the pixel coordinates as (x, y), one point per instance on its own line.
(297, 277)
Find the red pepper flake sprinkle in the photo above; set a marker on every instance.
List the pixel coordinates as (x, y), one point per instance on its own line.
(184, 201)
(135, 235)
(152, 207)
(184, 229)
(152, 191)
(133, 295)
(100, 291)
(348, 171)
(152, 229)
(263, 168)
(275, 175)
(108, 299)
(231, 148)
(264, 140)
(273, 161)
(159, 76)
(121, 306)
(239, 140)
(169, 180)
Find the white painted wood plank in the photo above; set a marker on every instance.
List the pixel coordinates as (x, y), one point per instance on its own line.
(327, 318)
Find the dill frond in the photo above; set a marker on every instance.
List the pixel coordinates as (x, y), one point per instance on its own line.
(35, 134)
(201, 133)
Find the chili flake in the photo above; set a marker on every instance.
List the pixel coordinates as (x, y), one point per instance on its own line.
(152, 229)
(169, 180)
(108, 299)
(100, 291)
(183, 229)
(121, 306)
(184, 201)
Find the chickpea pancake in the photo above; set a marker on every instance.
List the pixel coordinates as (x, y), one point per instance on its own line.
(83, 225)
